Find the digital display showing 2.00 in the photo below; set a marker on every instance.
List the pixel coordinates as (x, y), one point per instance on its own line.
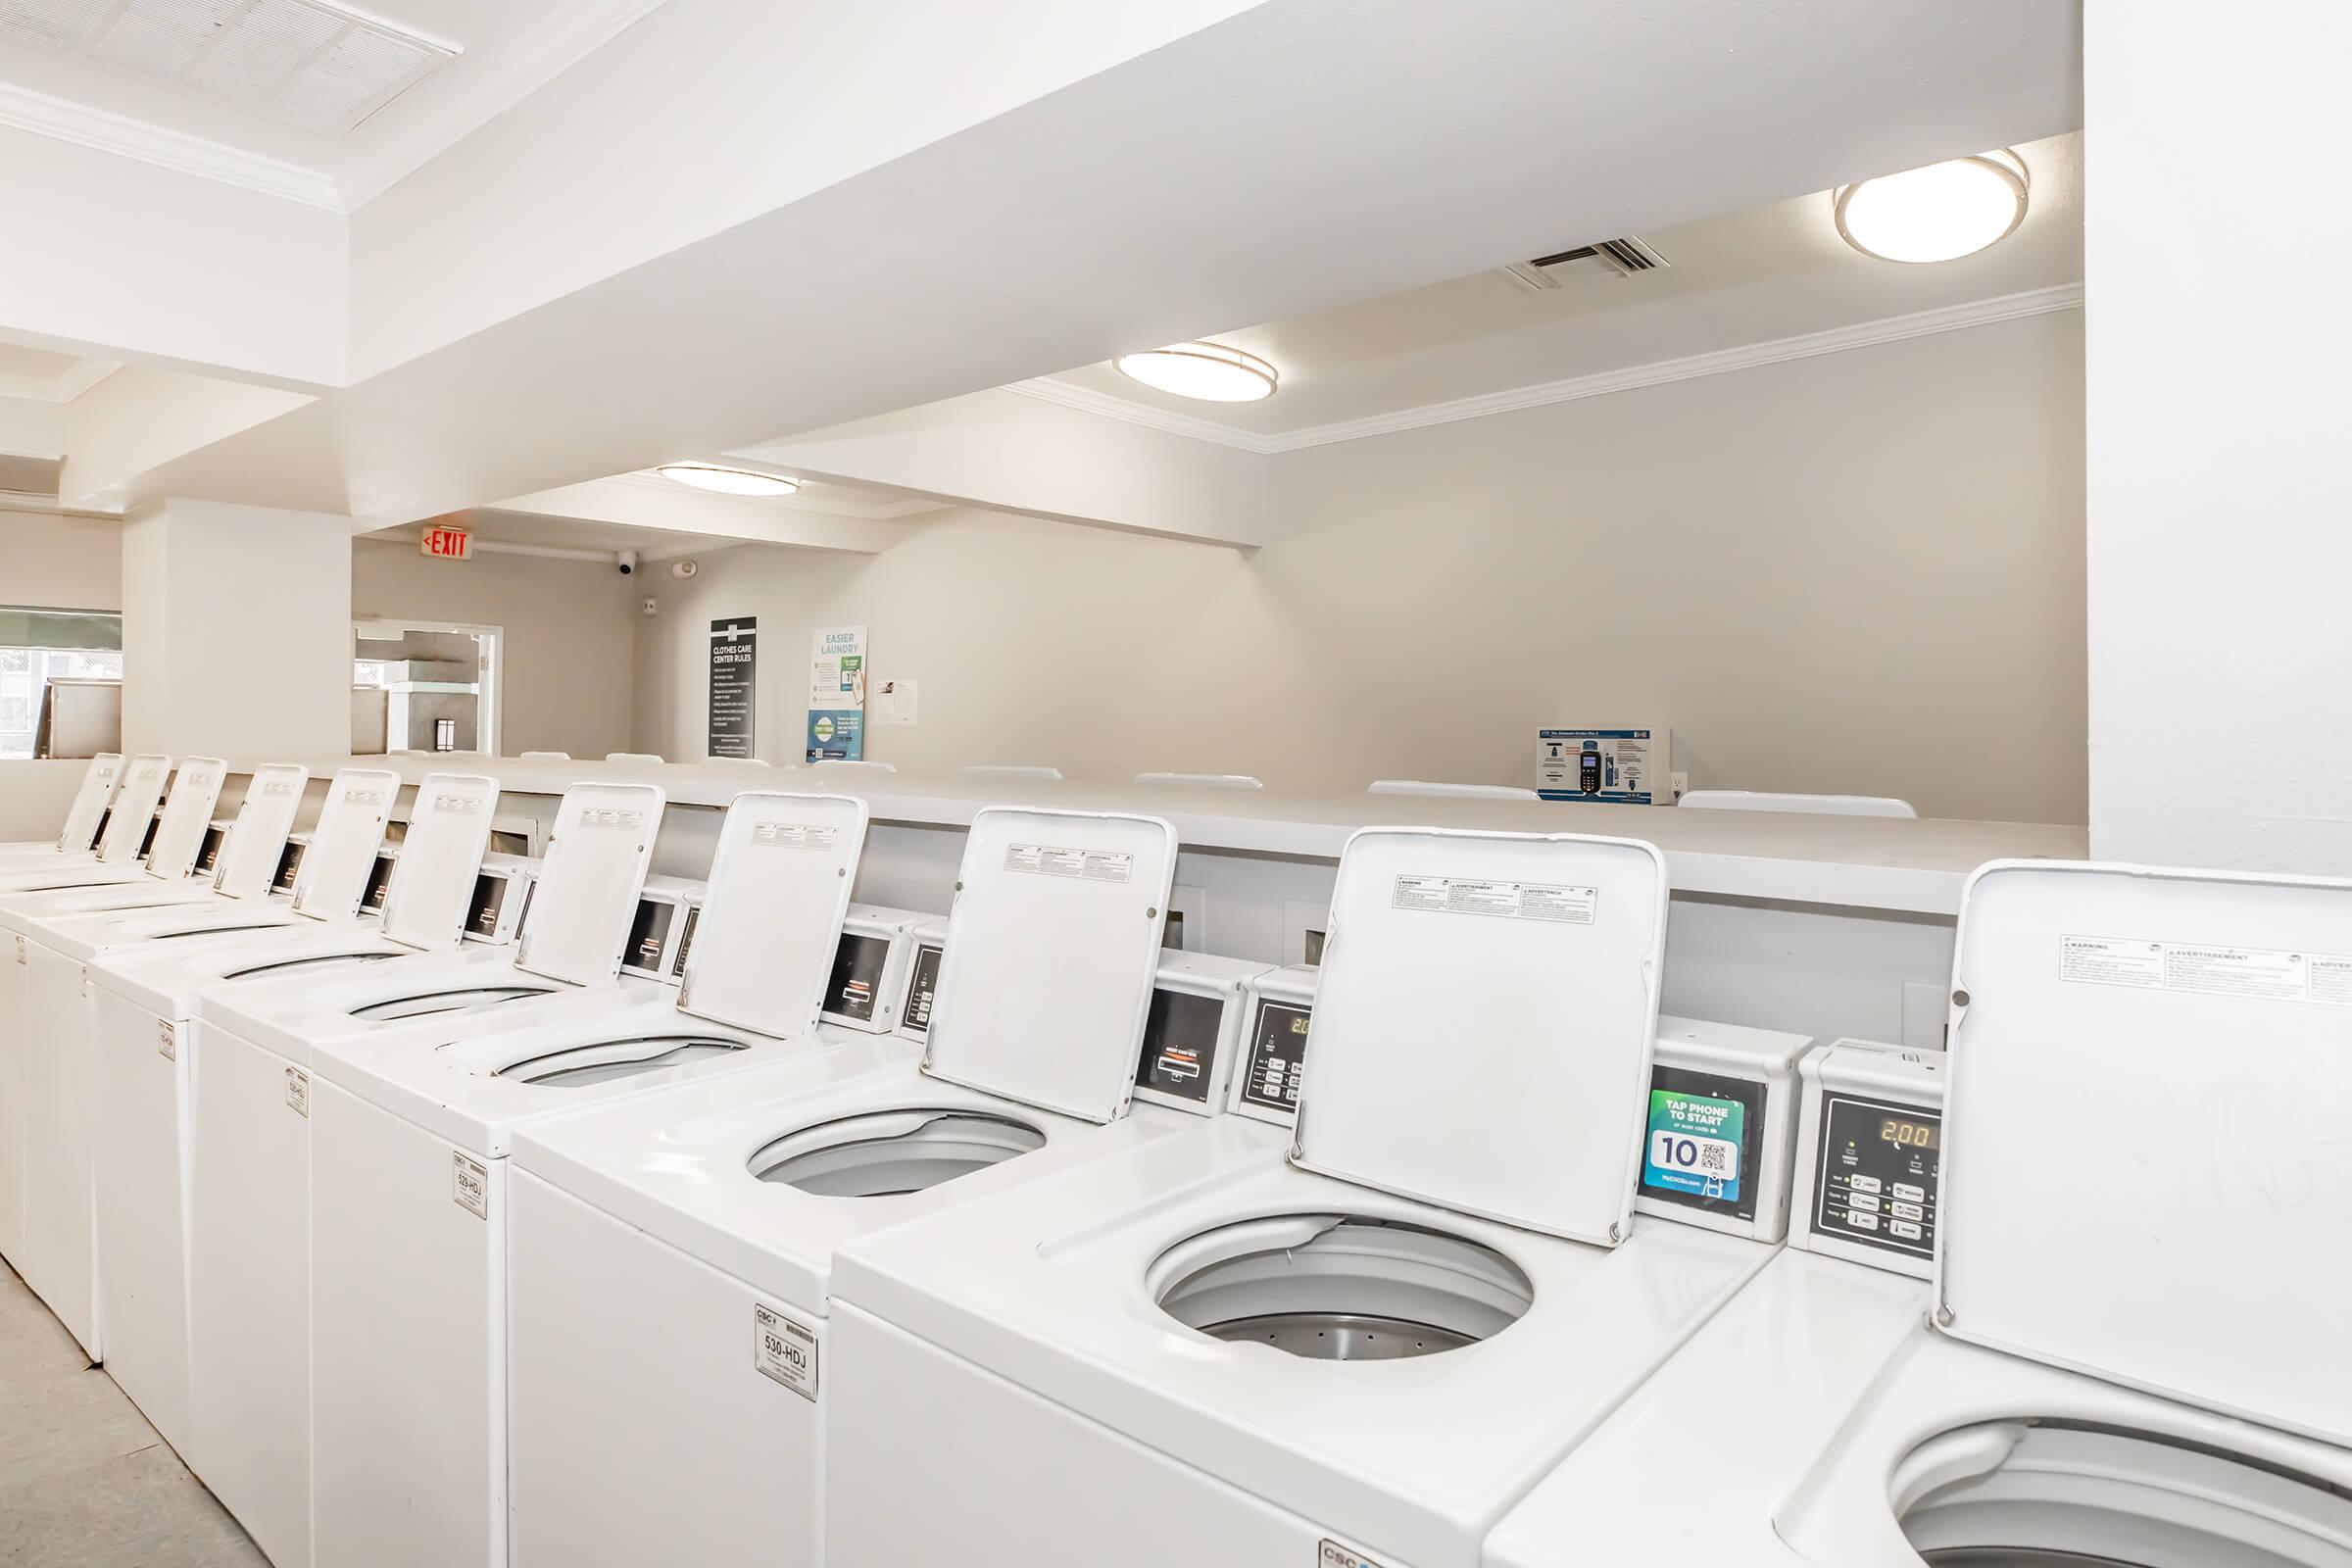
(1908, 1134)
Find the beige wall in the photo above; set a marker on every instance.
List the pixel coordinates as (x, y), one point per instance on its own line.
(1856, 572)
(568, 634)
(60, 563)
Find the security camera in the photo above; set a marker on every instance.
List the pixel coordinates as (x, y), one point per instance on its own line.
(627, 559)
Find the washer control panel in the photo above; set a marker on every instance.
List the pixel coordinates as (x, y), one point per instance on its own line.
(870, 969)
(1281, 1005)
(1871, 1139)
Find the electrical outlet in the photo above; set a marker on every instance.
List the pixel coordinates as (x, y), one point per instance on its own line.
(1679, 784)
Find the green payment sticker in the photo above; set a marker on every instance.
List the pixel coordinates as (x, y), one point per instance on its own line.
(1695, 1144)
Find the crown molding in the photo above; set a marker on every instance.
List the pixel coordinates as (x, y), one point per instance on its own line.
(106, 131)
(1806, 346)
(507, 76)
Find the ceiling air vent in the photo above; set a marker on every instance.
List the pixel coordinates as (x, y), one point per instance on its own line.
(300, 61)
(1610, 258)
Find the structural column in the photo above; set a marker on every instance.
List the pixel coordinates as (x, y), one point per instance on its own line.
(2220, 462)
(236, 631)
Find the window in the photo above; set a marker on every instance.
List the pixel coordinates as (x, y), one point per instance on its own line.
(40, 646)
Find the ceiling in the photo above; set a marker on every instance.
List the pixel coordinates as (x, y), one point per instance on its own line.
(1757, 276)
(497, 53)
(48, 376)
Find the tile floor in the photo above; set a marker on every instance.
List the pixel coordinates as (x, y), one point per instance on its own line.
(84, 1481)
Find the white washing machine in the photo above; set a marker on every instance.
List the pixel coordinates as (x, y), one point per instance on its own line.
(56, 1108)
(131, 826)
(18, 917)
(672, 1259)
(409, 1193)
(1362, 1340)
(2128, 1353)
(144, 1060)
(584, 943)
(247, 1134)
(85, 813)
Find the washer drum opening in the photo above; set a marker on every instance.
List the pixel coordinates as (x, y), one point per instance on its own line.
(601, 1061)
(885, 1152)
(1340, 1287)
(2023, 1494)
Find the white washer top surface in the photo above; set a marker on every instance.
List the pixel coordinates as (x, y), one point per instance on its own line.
(779, 889)
(1483, 1020)
(1414, 1459)
(2146, 1131)
(166, 978)
(83, 937)
(1733, 1419)
(333, 874)
(461, 1089)
(678, 1163)
(295, 1014)
(25, 911)
(432, 877)
(598, 853)
(1053, 945)
(187, 812)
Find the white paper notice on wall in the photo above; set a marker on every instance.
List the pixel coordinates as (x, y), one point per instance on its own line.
(891, 702)
(2216, 969)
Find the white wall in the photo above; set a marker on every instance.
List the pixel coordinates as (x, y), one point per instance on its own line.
(236, 631)
(2220, 732)
(570, 635)
(1858, 572)
(60, 563)
(144, 260)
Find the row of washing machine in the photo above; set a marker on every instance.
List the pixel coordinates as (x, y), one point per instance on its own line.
(500, 1254)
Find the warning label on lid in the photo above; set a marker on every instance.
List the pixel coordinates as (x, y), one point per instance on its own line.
(1512, 900)
(1083, 865)
(612, 818)
(458, 805)
(2216, 969)
(793, 836)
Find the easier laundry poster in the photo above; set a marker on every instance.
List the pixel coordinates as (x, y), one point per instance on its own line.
(836, 694)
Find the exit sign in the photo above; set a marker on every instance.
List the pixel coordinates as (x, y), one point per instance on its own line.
(451, 544)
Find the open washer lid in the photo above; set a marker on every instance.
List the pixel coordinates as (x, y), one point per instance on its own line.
(98, 783)
(333, 874)
(771, 916)
(2148, 1124)
(258, 837)
(598, 852)
(187, 812)
(1052, 944)
(433, 876)
(135, 808)
(1483, 1025)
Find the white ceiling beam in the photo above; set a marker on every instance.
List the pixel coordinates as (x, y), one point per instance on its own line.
(683, 510)
(1353, 151)
(1011, 453)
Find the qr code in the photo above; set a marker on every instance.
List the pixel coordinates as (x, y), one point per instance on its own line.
(1715, 1157)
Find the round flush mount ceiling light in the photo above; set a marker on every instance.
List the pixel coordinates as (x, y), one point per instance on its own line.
(1936, 214)
(1206, 370)
(728, 481)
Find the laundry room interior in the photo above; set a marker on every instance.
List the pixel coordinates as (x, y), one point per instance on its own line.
(699, 703)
